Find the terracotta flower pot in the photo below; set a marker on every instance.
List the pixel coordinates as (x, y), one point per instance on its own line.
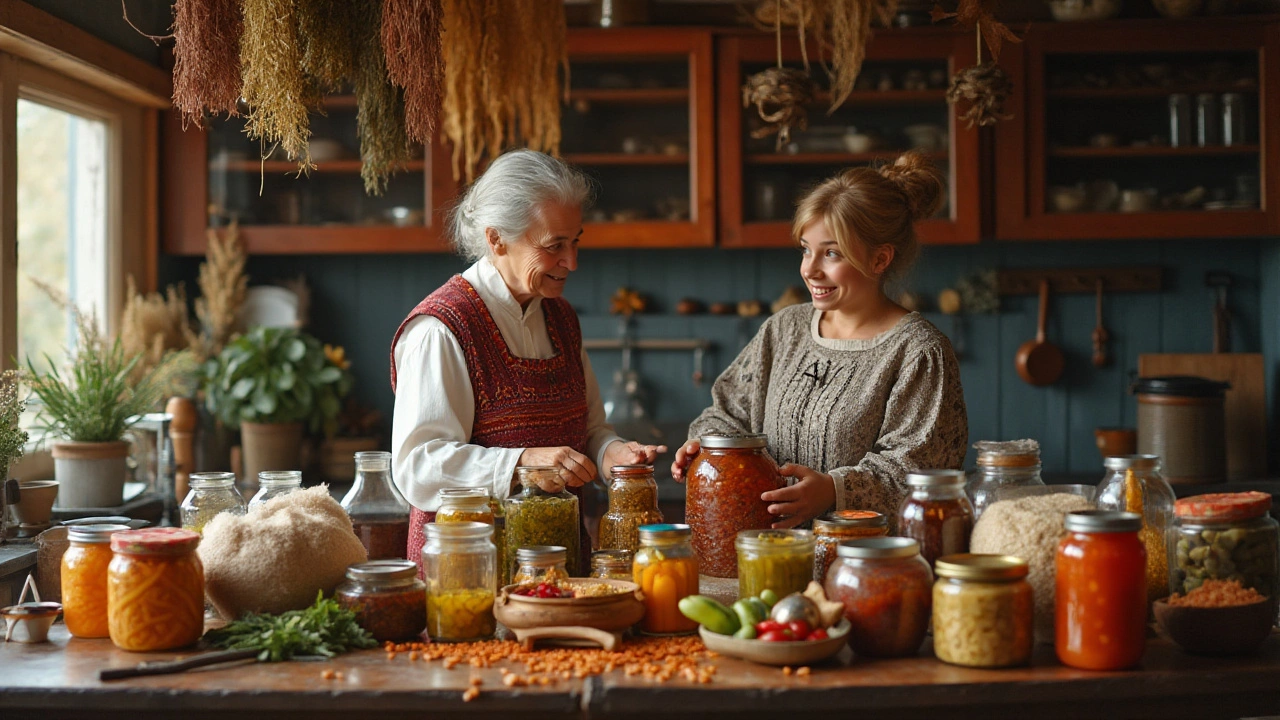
(268, 446)
(90, 474)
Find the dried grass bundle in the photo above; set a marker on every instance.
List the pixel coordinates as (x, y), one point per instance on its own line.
(844, 29)
(384, 142)
(274, 84)
(152, 325)
(206, 52)
(542, 36)
(326, 30)
(780, 96)
(415, 61)
(222, 287)
(463, 99)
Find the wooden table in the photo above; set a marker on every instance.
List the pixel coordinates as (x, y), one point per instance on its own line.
(59, 680)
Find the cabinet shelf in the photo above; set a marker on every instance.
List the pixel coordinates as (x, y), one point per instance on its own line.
(630, 96)
(1146, 93)
(288, 166)
(645, 159)
(830, 158)
(1152, 151)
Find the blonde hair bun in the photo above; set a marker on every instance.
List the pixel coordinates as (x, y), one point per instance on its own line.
(919, 180)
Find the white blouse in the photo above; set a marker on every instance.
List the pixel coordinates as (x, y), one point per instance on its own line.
(435, 407)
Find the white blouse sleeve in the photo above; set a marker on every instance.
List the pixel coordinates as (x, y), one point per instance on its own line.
(431, 425)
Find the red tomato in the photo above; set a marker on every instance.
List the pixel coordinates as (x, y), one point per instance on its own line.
(765, 626)
(799, 628)
(818, 634)
(776, 636)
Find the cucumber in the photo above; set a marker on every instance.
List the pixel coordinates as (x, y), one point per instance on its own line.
(761, 610)
(748, 613)
(709, 614)
(746, 632)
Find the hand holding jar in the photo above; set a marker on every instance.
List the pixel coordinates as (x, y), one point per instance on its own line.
(574, 468)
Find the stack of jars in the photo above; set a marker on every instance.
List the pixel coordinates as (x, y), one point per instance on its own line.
(475, 505)
(831, 529)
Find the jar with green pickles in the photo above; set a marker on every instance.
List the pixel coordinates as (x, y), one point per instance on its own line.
(777, 560)
(1225, 536)
(633, 501)
(475, 505)
(538, 517)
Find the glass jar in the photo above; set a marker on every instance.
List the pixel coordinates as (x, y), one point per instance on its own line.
(155, 589)
(475, 505)
(379, 514)
(539, 564)
(84, 579)
(1133, 484)
(666, 569)
(887, 589)
(211, 493)
(633, 501)
(982, 611)
(1001, 465)
(722, 497)
(460, 564)
(274, 483)
(937, 513)
(538, 517)
(387, 597)
(612, 564)
(1101, 600)
(777, 560)
(832, 528)
(1225, 536)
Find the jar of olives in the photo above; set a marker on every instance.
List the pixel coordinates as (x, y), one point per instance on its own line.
(539, 517)
(777, 560)
(633, 501)
(1225, 536)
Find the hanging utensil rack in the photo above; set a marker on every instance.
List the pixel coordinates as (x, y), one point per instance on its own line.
(1080, 280)
(627, 344)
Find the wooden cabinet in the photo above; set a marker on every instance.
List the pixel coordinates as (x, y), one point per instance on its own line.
(1140, 129)
(898, 104)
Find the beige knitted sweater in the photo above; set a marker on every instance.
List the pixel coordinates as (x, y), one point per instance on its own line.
(864, 411)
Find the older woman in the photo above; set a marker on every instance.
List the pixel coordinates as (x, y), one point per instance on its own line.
(489, 371)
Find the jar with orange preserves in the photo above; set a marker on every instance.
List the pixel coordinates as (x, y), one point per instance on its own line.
(84, 579)
(155, 589)
(1101, 605)
(722, 498)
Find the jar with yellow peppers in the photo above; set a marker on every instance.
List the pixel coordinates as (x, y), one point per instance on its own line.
(475, 505)
(84, 579)
(211, 493)
(537, 516)
(155, 589)
(1133, 484)
(777, 560)
(612, 564)
(633, 501)
(459, 565)
(666, 570)
(830, 529)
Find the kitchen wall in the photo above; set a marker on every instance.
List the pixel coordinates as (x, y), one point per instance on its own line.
(359, 300)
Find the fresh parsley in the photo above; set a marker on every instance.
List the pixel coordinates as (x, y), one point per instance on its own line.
(325, 628)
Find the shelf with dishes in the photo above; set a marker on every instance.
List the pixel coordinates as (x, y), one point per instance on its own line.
(1149, 92)
(623, 158)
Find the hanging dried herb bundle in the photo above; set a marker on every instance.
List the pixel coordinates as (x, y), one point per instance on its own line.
(544, 51)
(985, 87)
(274, 85)
(206, 54)
(384, 144)
(844, 29)
(326, 29)
(415, 61)
(780, 96)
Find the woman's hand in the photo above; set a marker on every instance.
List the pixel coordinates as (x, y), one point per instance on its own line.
(686, 453)
(813, 494)
(575, 468)
(631, 452)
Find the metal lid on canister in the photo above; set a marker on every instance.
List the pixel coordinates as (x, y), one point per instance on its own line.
(935, 478)
(541, 554)
(976, 566)
(1223, 507)
(727, 442)
(849, 520)
(1102, 521)
(1131, 462)
(1008, 453)
(1180, 386)
(458, 530)
(663, 531)
(94, 534)
(382, 570)
(879, 548)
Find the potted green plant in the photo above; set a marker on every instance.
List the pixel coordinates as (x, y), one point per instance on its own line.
(270, 382)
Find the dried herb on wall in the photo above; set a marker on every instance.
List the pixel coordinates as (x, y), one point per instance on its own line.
(411, 48)
(274, 85)
(206, 53)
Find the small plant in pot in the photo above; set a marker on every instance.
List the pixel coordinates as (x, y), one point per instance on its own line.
(269, 383)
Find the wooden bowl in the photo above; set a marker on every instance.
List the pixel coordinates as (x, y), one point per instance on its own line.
(795, 652)
(613, 613)
(1234, 630)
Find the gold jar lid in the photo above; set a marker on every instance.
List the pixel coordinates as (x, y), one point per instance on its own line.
(1008, 453)
(973, 566)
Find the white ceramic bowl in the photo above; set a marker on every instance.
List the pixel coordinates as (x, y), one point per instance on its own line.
(793, 653)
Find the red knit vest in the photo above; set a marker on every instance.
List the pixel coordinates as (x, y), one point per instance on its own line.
(519, 402)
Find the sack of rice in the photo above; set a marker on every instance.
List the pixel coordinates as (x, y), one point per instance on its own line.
(1030, 528)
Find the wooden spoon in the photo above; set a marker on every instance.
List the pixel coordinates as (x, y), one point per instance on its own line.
(1040, 362)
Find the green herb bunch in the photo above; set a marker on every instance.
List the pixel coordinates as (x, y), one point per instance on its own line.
(325, 628)
(276, 375)
(12, 403)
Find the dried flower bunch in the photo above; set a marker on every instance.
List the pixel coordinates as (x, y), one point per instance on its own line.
(222, 288)
(206, 70)
(984, 86)
(380, 116)
(780, 96)
(12, 404)
(411, 42)
(272, 80)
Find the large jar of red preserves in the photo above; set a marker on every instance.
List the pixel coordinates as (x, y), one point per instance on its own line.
(1101, 607)
(155, 589)
(84, 579)
(937, 513)
(722, 498)
(887, 591)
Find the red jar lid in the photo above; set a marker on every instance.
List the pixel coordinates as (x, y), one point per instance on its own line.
(155, 541)
(1224, 506)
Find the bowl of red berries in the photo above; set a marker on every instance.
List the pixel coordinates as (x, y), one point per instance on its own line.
(610, 605)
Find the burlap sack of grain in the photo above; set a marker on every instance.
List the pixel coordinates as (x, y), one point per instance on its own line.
(275, 558)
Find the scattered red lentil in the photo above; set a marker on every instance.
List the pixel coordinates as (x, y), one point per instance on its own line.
(1217, 593)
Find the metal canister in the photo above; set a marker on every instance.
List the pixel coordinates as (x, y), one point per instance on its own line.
(1182, 420)
(1208, 128)
(1234, 122)
(1180, 128)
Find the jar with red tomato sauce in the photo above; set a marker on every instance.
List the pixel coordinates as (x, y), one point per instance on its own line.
(937, 513)
(1101, 606)
(887, 592)
(724, 484)
(84, 579)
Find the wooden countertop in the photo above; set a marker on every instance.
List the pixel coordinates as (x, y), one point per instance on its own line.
(59, 680)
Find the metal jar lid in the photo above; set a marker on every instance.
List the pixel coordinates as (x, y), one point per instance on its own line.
(1008, 453)
(630, 470)
(375, 570)
(974, 566)
(663, 531)
(726, 442)
(458, 530)
(849, 520)
(879, 548)
(1180, 386)
(93, 534)
(1132, 462)
(1102, 521)
(935, 478)
(541, 554)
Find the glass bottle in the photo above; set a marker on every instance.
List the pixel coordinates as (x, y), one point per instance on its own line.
(829, 530)
(1133, 484)
(274, 483)
(459, 563)
(1014, 463)
(666, 569)
(84, 579)
(1208, 131)
(475, 505)
(1225, 536)
(887, 590)
(538, 517)
(1100, 606)
(982, 611)
(1234, 120)
(722, 497)
(387, 597)
(1181, 129)
(379, 513)
(937, 513)
(540, 564)
(633, 501)
(155, 589)
(777, 560)
(210, 493)
(612, 564)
